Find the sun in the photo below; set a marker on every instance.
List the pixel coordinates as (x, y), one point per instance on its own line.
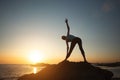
(35, 56)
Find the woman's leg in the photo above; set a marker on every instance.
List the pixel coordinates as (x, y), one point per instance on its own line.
(73, 43)
(81, 49)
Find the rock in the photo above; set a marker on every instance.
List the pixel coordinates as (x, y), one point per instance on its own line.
(70, 71)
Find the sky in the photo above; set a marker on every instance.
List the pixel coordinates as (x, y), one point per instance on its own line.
(30, 26)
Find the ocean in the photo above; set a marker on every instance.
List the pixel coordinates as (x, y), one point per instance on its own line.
(14, 71)
(115, 70)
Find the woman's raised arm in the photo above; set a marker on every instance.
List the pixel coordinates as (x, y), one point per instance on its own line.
(68, 28)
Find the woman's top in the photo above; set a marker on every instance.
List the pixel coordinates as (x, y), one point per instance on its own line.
(70, 38)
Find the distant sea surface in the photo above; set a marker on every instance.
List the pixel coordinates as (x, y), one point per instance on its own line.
(115, 70)
(14, 71)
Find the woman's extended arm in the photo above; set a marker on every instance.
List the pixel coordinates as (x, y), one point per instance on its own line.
(68, 32)
(68, 28)
(67, 46)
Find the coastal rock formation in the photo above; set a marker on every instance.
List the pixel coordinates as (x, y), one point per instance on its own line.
(70, 71)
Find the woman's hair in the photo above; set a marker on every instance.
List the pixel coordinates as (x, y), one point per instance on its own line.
(63, 37)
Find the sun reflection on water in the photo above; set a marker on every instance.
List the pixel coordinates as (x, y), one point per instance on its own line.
(34, 70)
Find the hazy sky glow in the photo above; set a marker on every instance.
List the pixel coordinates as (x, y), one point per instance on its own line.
(28, 25)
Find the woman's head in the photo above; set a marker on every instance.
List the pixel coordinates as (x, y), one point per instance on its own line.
(63, 37)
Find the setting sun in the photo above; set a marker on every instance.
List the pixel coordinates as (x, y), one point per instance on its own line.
(35, 56)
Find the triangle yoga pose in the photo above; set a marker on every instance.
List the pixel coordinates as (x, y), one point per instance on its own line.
(74, 40)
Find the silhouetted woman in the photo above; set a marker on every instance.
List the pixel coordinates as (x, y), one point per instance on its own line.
(74, 40)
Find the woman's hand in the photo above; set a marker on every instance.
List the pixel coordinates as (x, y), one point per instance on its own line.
(66, 20)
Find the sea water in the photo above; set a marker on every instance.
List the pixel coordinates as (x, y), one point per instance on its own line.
(14, 71)
(115, 70)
